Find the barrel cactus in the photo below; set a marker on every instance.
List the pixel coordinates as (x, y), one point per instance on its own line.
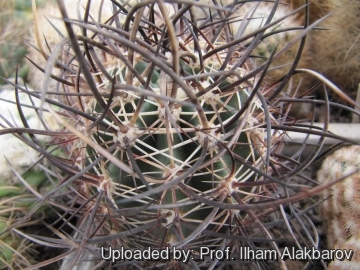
(170, 142)
(341, 204)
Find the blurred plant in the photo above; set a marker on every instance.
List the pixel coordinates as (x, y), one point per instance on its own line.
(337, 51)
(333, 49)
(15, 17)
(16, 252)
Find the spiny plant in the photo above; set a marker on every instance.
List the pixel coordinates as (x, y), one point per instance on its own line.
(334, 52)
(342, 54)
(341, 203)
(16, 252)
(170, 139)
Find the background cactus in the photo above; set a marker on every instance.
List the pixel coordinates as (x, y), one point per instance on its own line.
(169, 138)
(333, 48)
(341, 206)
(342, 54)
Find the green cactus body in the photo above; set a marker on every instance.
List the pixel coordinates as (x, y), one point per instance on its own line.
(164, 152)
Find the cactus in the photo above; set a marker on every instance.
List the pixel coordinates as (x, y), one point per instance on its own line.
(339, 59)
(169, 138)
(341, 206)
(334, 52)
(15, 250)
